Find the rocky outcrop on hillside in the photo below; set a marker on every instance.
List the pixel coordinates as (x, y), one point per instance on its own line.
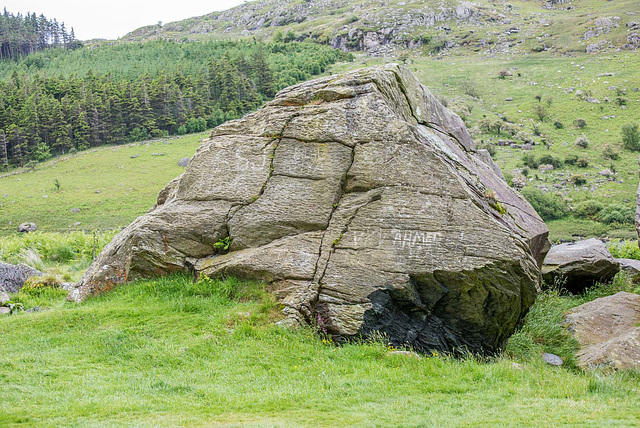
(362, 200)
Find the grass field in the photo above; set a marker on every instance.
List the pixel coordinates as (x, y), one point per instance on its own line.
(110, 186)
(172, 352)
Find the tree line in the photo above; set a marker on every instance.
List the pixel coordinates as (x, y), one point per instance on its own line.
(42, 115)
(21, 35)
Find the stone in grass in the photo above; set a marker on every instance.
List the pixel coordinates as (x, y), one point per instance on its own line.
(405, 354)
(27, 227)
(184, 162)
(75, 210)
(4, 310)
(134, 156)
(552, 359)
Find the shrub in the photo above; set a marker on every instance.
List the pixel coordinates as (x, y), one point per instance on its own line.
(579, 123)
(530, 161)
(540, 111)
(630, 137)
(624, 249)
(617, 213)
(571, 160)
(578, 180)
(548, 205)
(582, 142)
(610, 152)
(582, 162)
(588, 209)
(558, 125)
(550, 160)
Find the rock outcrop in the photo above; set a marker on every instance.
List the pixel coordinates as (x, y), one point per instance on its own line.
(12, 277)
(579, 265)
(361, 199)
(608, 329)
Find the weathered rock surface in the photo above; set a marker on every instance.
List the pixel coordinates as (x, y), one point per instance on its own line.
(578, 265)
(4, 297)
(361, 199)
(12, 277)
(608, 330)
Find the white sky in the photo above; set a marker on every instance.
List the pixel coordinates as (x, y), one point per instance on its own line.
(111, 19)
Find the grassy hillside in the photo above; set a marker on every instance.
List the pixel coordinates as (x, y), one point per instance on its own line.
(176, 353)
(483, 26)
(110, 186)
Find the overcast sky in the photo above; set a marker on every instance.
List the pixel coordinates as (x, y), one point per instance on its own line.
(110, 19)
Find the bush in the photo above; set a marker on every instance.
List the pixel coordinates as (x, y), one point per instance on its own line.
(530, 161)
(588, 209)
(624, 249)
(558, 125)
(610, 152)
(582, 162)
(578, 180)
(630, 137)
(571, 160)
(579, 123)
(582, 142)
(548, 205)
(617, 213)
(550, 160)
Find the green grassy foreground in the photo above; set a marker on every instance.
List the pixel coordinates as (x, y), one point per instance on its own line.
(172, 352)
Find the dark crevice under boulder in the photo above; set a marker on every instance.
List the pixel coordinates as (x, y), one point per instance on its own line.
(363, 202)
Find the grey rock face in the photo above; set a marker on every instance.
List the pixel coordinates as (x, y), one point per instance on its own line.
(362, 200)
(638, 211)
(27, 227)
(578, 265)
(12, 277)
(607, 328)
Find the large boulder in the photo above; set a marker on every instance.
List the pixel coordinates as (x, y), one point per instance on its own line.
(12, 277)
(362, 200)
(579, 265)
(608, 330)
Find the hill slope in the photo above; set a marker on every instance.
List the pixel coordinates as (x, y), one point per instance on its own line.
(382, 27)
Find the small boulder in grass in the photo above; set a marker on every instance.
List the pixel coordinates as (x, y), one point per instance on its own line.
(184, 162)
(27, 227)
(552, 359)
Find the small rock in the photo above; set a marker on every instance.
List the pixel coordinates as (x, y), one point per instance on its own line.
(508, 99)
(516, 366)
(75, 210)
(34, 309)
(405, 353)
(552, 359)
(593, 100)
(184, 162)
(76, 224)
(4, 310)
(97, 192)
(134, 156)
(27, 227)
(4, 297)
(158, 154)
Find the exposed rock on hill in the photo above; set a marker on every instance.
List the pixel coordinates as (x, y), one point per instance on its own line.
(362, 200)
